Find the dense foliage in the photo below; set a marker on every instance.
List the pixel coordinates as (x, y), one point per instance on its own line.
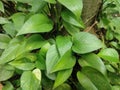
(44, 45)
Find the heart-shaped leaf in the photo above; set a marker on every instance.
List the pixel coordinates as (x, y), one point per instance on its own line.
(52, 58)
(67, 61)
(69, 17)
(109, 54)
(29, 81)
(94, 61)
(36, 24)
(64, 43)
(84, 42)
(73, 5)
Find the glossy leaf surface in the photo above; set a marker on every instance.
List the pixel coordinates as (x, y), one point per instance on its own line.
(84, 42)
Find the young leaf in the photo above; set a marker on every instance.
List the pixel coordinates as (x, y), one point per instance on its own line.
(62, 76)
(69, 17)
(67, 61)
(85, 81)
(52, 58)
(37, 73)
(73, 5)
(93, 61)
(29, 81)
(36, 24)
(1, 7)
(63, 44)
(6, 72)
(109, 54)
(84, 42)
(97, 78)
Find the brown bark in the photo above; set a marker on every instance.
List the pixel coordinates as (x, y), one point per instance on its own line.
(90, 11)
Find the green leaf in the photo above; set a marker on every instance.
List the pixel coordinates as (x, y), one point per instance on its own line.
(29, 81)
(50, 1)
(1, 7)
(52, 58)
(109, 54)
(9, 28)
(14, 49)
(9, 54)
(69, 17)
(37, 5)
(6, 72)
(67, 61)
(62, 76)
(31, 56)
(4, 20)
(40, 63)
(70, 28)
(4, 40)
(116, 87)
(97, 78)
(18, 20)
(64, 43)
(64, 86)
(37, 74)
(44, 49)
(93, 61)
(109, 35)
(84, 42)
(73, 5)
(23, 64)
(34, 42)
(8, 86)
(85, 81)
(36, 24)
(110, 68)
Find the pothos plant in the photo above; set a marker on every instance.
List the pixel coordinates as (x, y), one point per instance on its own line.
(43, 47)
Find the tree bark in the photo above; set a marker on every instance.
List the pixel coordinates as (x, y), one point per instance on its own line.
(90, 11)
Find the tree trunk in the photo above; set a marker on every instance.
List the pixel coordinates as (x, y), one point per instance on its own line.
(90, 11)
